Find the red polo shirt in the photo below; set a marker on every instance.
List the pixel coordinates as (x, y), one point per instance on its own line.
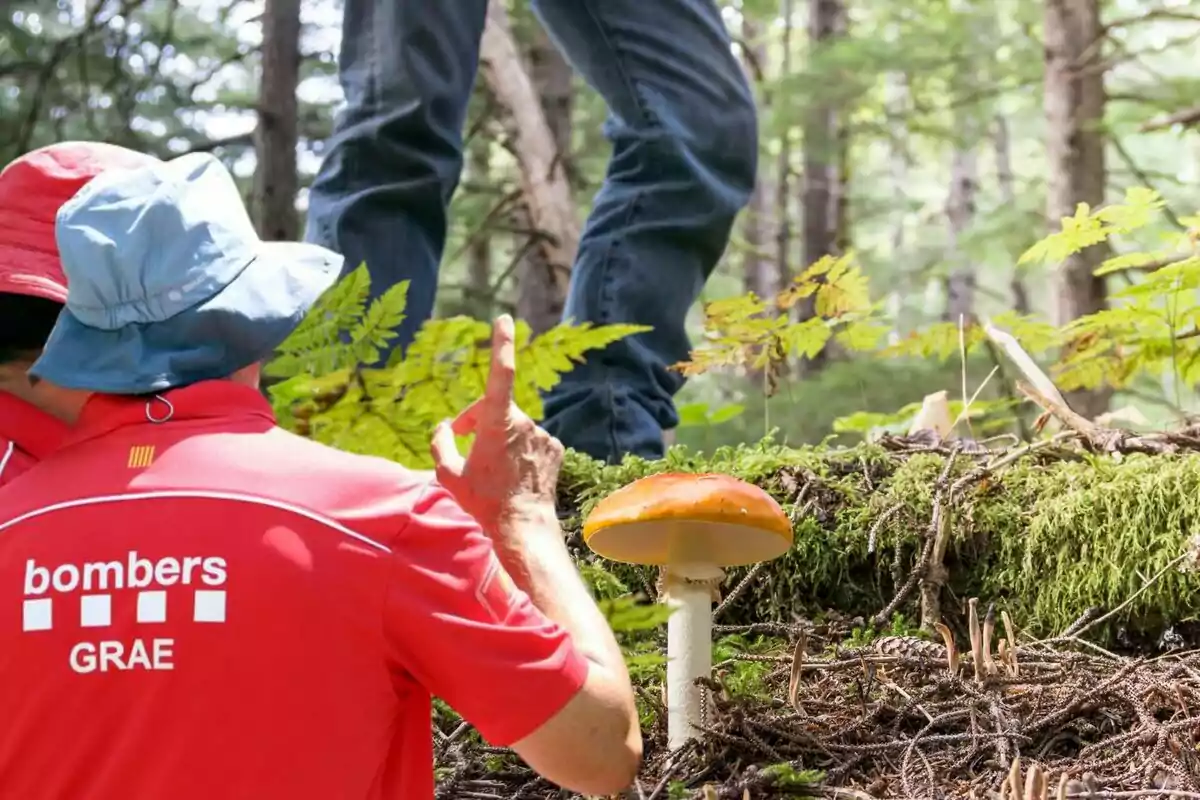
(210, 607)
(27, 435)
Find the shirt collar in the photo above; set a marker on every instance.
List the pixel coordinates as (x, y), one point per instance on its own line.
(213, 400)
(34, 431)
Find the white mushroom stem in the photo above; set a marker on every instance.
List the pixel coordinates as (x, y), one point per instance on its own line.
(689, 647)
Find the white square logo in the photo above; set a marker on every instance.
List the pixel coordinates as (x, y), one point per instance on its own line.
(38, 615)
(95, 610)
(209, 606)
(152, 606)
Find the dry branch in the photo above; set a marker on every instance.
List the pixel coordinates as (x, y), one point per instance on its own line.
(1187, 117)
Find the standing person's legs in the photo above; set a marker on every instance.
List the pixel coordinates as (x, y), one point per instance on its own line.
(407, 68)
(685, 145)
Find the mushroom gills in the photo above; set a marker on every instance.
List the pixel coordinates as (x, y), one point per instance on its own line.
(688, 542)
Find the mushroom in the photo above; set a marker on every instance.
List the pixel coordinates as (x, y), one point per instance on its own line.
(693, 526)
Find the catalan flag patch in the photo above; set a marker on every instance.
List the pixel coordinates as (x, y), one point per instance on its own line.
(141, 456)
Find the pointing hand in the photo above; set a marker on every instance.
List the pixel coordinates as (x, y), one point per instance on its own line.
(512, 468)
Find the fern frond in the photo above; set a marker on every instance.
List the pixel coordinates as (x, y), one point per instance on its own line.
(377, 326)
(316, 345)
(338, 309)
(327, 393)
(545, 359)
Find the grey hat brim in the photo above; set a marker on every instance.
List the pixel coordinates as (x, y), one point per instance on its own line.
(240, 325)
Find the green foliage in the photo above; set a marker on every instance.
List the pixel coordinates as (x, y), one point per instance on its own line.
(900, 625)
(983, 415)
(146, 75)
(753, 333)
(696, 415)
(320, 345)
(788, 776)
(636, 623)
(744, 677)
(1151, 328)
(626, 615)
(1088, 227)
(945, 340)
(1152, 325)
(804, 411)
(678, 790)
(327, 392)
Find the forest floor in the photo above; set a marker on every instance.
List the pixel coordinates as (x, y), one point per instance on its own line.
(823, 688)
(1055, 719)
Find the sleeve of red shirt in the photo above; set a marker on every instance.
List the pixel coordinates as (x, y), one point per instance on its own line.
(458, 625)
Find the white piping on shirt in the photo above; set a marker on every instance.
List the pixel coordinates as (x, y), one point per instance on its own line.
(193, 495)
(12, 447)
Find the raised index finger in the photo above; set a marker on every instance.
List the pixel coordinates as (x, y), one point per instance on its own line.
(504, 363)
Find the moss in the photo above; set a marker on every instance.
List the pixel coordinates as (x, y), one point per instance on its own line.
(1091, 533)
(1045, 538)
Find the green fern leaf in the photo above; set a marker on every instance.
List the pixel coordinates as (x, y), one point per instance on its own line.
(376, 327)
(315, 346)
(559, 350)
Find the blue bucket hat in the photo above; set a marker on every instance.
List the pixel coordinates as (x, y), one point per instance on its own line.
(170, 284)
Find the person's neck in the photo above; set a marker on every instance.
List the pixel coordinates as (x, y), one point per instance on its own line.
(17, 388)
(62, 403)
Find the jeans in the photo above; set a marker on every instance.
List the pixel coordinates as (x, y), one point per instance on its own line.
(684, 134)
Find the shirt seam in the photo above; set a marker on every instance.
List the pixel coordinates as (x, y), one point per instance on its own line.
(8, 454)
(168, 494)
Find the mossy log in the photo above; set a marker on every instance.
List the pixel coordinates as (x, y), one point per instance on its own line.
(1046, 532)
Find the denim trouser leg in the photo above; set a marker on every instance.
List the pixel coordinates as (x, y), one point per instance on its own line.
(394, 160)
(684, 133)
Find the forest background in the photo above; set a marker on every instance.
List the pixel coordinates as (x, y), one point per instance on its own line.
(924, 146)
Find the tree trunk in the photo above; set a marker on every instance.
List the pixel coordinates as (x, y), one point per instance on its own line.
(823, 195)
(1008, 195)
(540, 300)
(1074, 106)
(545, 189)
(960, 213)
(275, 179)
(478, 295)
(783, 176)
(761, 275)
(759, 272)
(897, 103)
(961, 199)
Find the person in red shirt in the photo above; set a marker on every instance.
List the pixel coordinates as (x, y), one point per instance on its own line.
(33, 289)
(202, 605)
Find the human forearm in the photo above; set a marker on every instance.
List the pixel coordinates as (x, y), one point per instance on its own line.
(531, 547)
(594, 744)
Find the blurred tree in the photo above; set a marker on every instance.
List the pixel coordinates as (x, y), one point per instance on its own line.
(1075, 149)
(553, 223)
(540, 295)
(825, 149)
(276, 137)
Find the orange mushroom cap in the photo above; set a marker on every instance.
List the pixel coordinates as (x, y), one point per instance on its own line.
(708, 518)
